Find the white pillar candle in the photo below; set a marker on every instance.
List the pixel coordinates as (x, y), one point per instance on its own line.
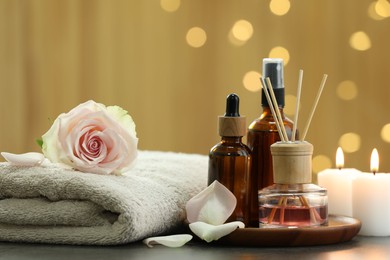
(371, 200)
(371, 203)
(338, 182)
(339, 186)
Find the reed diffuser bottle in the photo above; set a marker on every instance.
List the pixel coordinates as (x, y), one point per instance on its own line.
(293, 200)
(230, 160)
(262, 133)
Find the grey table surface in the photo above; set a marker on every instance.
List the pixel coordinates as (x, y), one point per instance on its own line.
(358, 248)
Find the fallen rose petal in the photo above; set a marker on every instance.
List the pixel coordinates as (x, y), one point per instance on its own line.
(209, 232)
(24, 159)
(169, 241)
(213, 205)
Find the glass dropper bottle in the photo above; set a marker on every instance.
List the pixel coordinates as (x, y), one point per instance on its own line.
(229, 160)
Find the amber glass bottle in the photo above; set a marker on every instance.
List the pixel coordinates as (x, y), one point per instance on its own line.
(230, 160)
(262, 133)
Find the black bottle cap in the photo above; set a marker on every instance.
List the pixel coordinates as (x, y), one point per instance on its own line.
(273, 69)
(232, 106)
(232, 124)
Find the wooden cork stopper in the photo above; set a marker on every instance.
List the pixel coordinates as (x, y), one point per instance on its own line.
(232, 126)
(292, 162)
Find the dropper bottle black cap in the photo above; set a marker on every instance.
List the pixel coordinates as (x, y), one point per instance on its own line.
(232, 124)
(232, 106)
(273, 69)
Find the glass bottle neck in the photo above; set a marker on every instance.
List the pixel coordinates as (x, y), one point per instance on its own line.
(231, 139)
(267, 111)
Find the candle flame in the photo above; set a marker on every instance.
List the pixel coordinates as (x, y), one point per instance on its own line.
(374, 161)
(339, 158)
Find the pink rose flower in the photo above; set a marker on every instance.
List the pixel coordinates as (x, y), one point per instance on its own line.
(92, 138)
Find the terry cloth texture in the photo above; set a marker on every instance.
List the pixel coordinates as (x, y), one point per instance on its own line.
(49, 204)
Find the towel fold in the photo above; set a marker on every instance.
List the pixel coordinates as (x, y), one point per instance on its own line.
(48, 204)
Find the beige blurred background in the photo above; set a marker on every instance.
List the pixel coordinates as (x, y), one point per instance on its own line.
(172, 63)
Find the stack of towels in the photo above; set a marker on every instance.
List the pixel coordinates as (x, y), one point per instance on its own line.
(49, 204)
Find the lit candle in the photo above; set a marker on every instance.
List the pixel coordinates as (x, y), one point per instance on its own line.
(374, 163)
(338, 182)
(371, 200)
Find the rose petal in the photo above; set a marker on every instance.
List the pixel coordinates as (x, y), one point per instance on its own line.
(123, 117)
(209, 232)
(169, 241)
(213, 205)
(25, 159)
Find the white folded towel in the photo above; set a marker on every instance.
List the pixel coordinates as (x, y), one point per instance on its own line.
(48, 204)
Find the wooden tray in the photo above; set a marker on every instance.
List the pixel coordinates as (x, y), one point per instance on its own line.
(340, 229)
